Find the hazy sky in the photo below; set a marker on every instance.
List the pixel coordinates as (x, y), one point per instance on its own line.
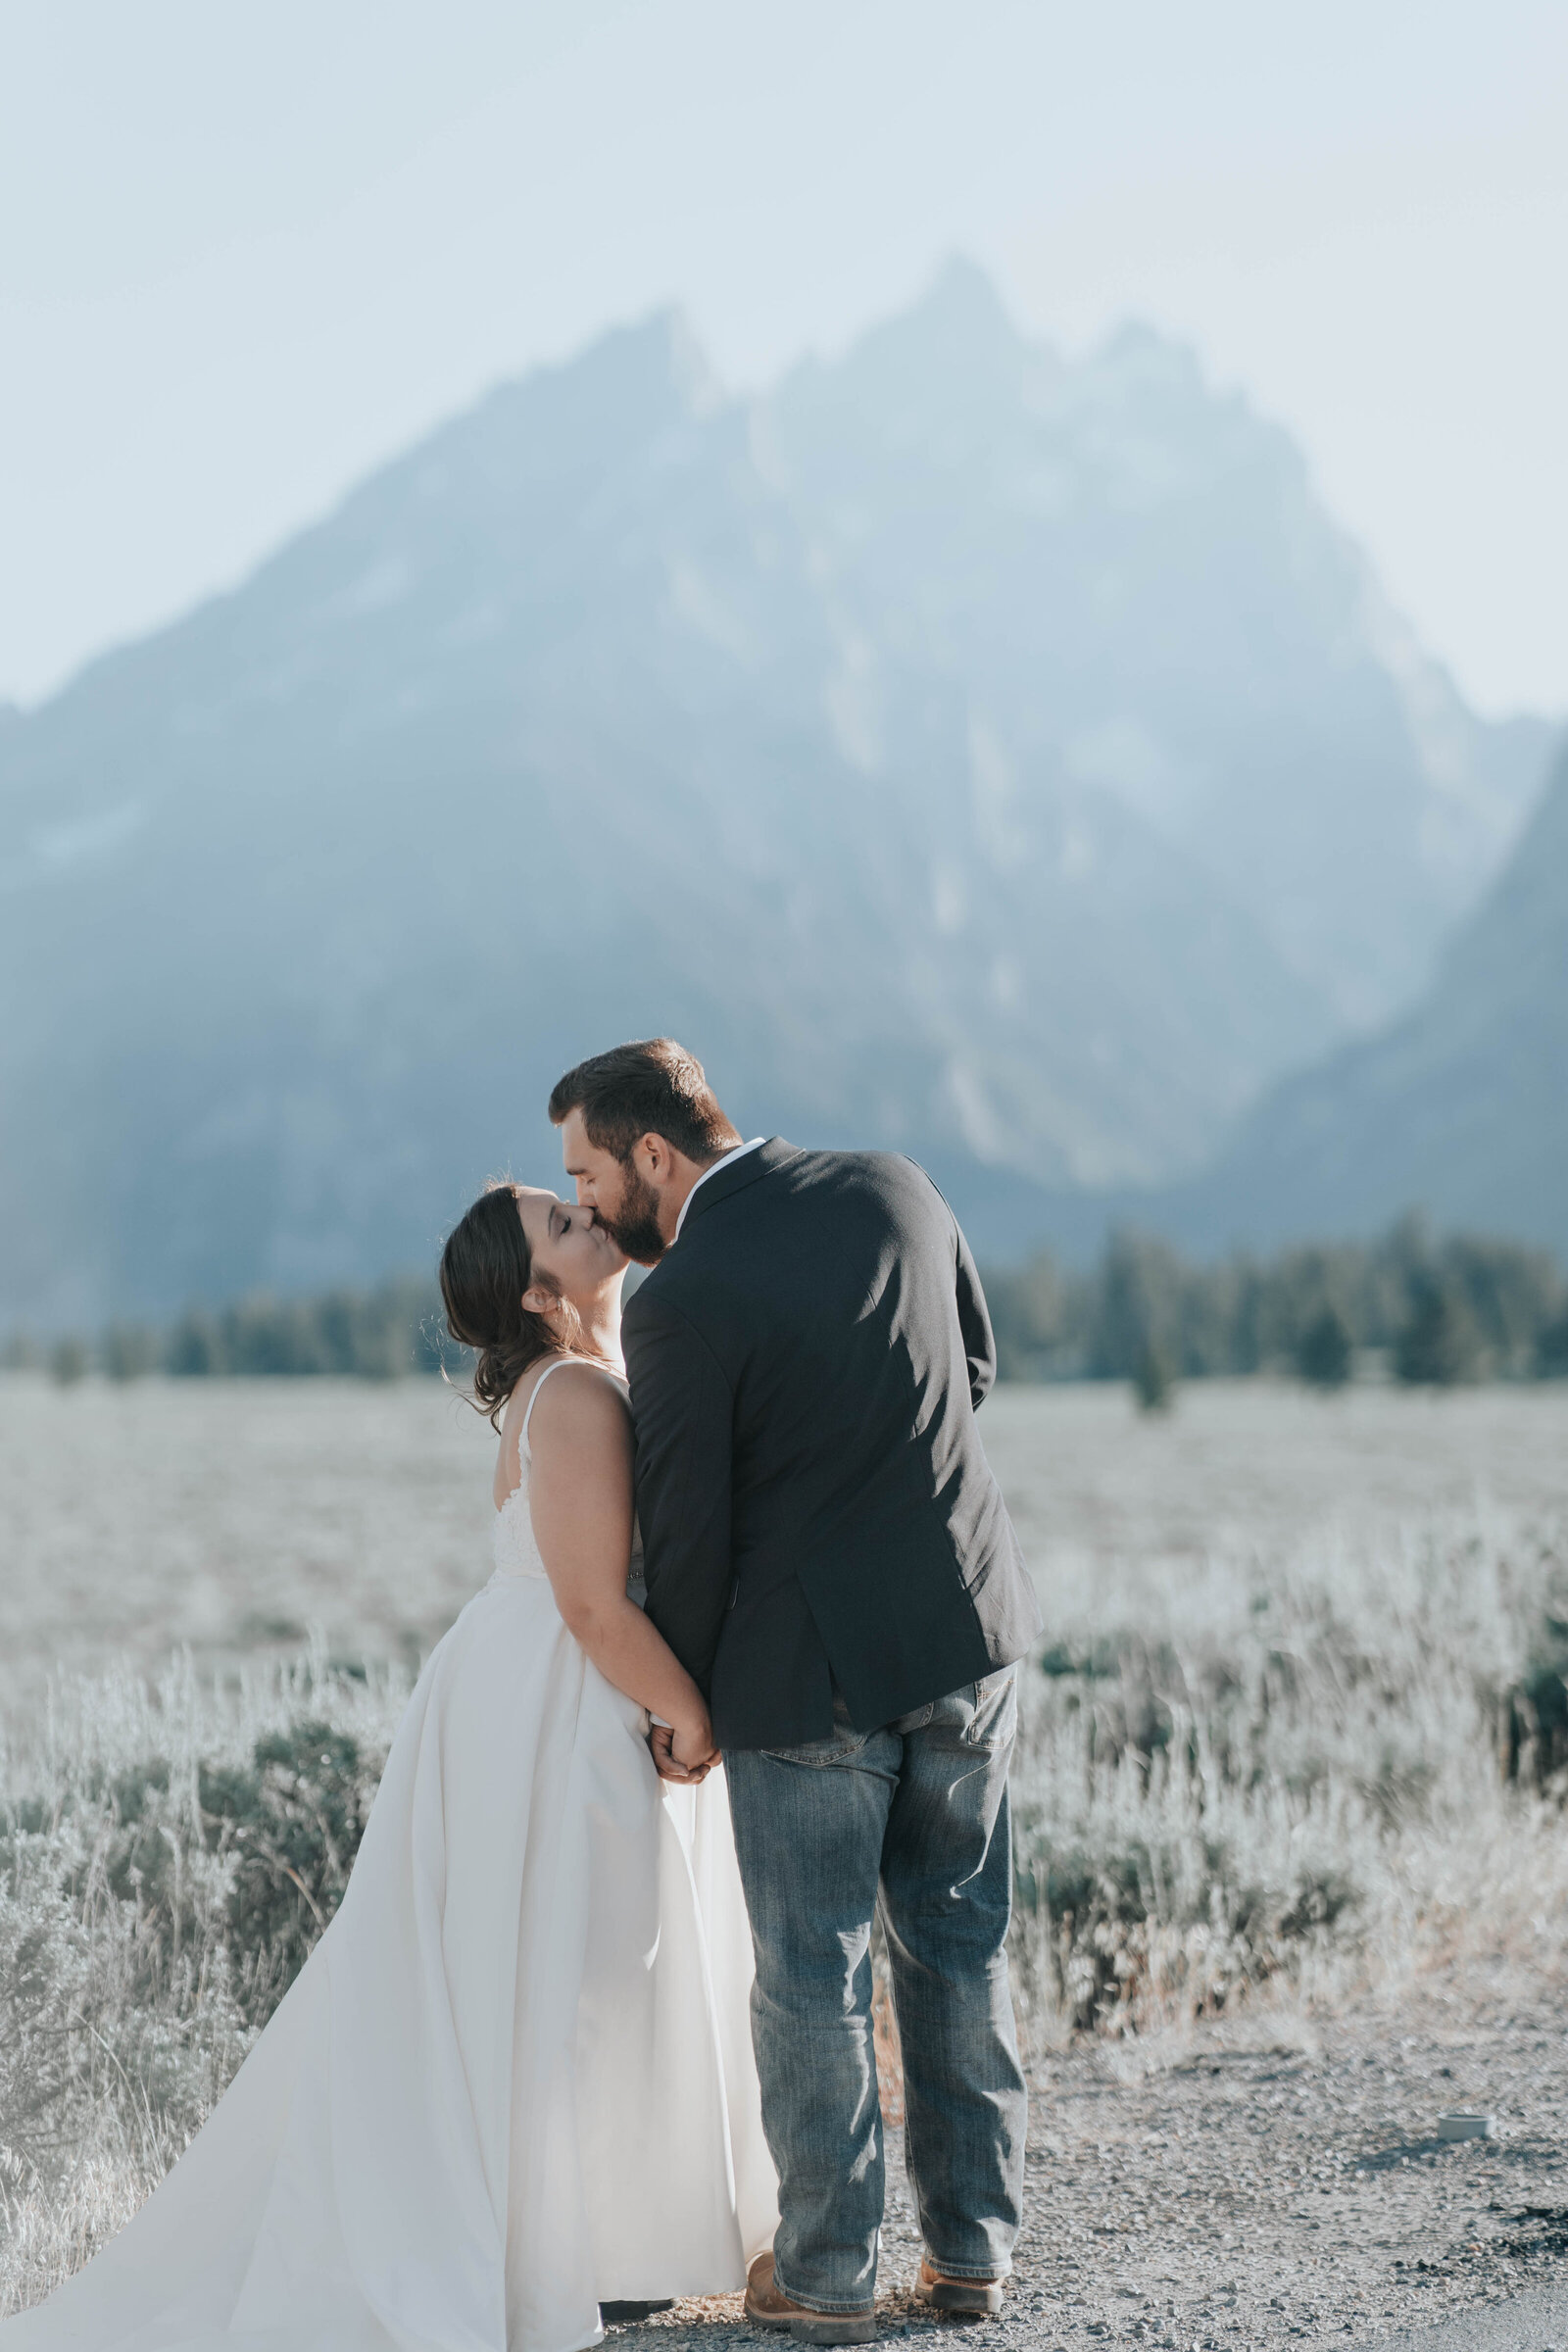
(246, 252)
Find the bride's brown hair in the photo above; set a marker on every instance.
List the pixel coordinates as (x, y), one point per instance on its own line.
(485, 1268)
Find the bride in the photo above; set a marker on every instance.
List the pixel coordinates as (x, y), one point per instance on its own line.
(513, 2082)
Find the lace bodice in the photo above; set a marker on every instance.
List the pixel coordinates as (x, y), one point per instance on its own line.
(515, 1551)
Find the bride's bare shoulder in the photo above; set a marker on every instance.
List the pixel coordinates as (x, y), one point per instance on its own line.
(584, 1405)
(584, 1412)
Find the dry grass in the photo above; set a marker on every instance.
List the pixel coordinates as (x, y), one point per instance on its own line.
(1301, 1724)
(166, 1858)
(1310, 1769)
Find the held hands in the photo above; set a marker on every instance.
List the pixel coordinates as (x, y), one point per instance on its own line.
(684, 1752)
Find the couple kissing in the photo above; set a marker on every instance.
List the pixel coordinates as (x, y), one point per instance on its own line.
(591, 2029)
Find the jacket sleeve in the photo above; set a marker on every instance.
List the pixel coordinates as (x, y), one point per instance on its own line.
(684, 1416)
(974, 1321)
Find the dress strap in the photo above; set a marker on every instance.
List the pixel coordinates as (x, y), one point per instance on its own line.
(522, 1439)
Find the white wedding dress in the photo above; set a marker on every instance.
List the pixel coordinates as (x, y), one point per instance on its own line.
(515, 2077)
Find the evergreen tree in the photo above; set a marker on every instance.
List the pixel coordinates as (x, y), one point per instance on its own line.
(1153, 1379)
(1437, 1346)
(1324, 1351)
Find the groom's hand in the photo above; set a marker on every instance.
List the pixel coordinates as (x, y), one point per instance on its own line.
(690, 1768)
(661, 1743)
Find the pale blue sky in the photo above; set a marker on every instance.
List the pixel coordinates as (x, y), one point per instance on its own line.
(247, 252)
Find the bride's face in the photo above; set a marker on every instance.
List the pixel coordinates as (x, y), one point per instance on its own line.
(568, 1246)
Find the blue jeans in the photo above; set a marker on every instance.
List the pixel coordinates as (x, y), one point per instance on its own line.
(918, 1813)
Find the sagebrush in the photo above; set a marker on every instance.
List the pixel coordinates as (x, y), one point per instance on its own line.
(1299, 1767)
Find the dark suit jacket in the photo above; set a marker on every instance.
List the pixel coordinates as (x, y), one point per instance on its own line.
(806, 1363)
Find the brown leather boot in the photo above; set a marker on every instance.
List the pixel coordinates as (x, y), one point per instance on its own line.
(769, 2305)
(977, 2296)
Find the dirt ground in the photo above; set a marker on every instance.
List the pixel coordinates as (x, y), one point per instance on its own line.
(1274, 2180)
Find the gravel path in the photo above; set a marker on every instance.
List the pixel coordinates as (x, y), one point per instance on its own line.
(1277, 2180)
(1534, 2321)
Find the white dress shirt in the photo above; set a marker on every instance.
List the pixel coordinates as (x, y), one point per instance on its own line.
(739, 1152)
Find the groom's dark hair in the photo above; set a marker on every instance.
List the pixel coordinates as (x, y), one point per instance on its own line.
(652, 1087)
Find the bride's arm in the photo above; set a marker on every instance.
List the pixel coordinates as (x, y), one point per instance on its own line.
(580, 1498)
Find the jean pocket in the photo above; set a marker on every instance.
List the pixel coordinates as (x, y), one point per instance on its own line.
(841, 1743)
(994, 1702)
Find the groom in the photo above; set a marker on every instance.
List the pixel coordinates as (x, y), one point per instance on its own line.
(828, 1554)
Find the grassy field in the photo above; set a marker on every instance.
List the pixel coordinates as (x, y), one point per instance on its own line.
(1298, 1720)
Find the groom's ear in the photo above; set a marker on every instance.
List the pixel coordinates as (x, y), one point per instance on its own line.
(653, 1158)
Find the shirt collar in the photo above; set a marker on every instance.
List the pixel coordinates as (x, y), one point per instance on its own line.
(739, 1152)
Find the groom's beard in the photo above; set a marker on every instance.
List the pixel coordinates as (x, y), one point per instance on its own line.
(634, 1227)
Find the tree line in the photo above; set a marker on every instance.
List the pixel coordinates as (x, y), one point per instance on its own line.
(391, 1332)
(1406, 1306)
(1424, 1311)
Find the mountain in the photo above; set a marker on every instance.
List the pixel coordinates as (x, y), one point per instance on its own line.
(1132, 577)
(943, 744)
(1460, 1109)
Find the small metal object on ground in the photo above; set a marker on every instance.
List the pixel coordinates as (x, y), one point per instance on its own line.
(1459, 2124)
